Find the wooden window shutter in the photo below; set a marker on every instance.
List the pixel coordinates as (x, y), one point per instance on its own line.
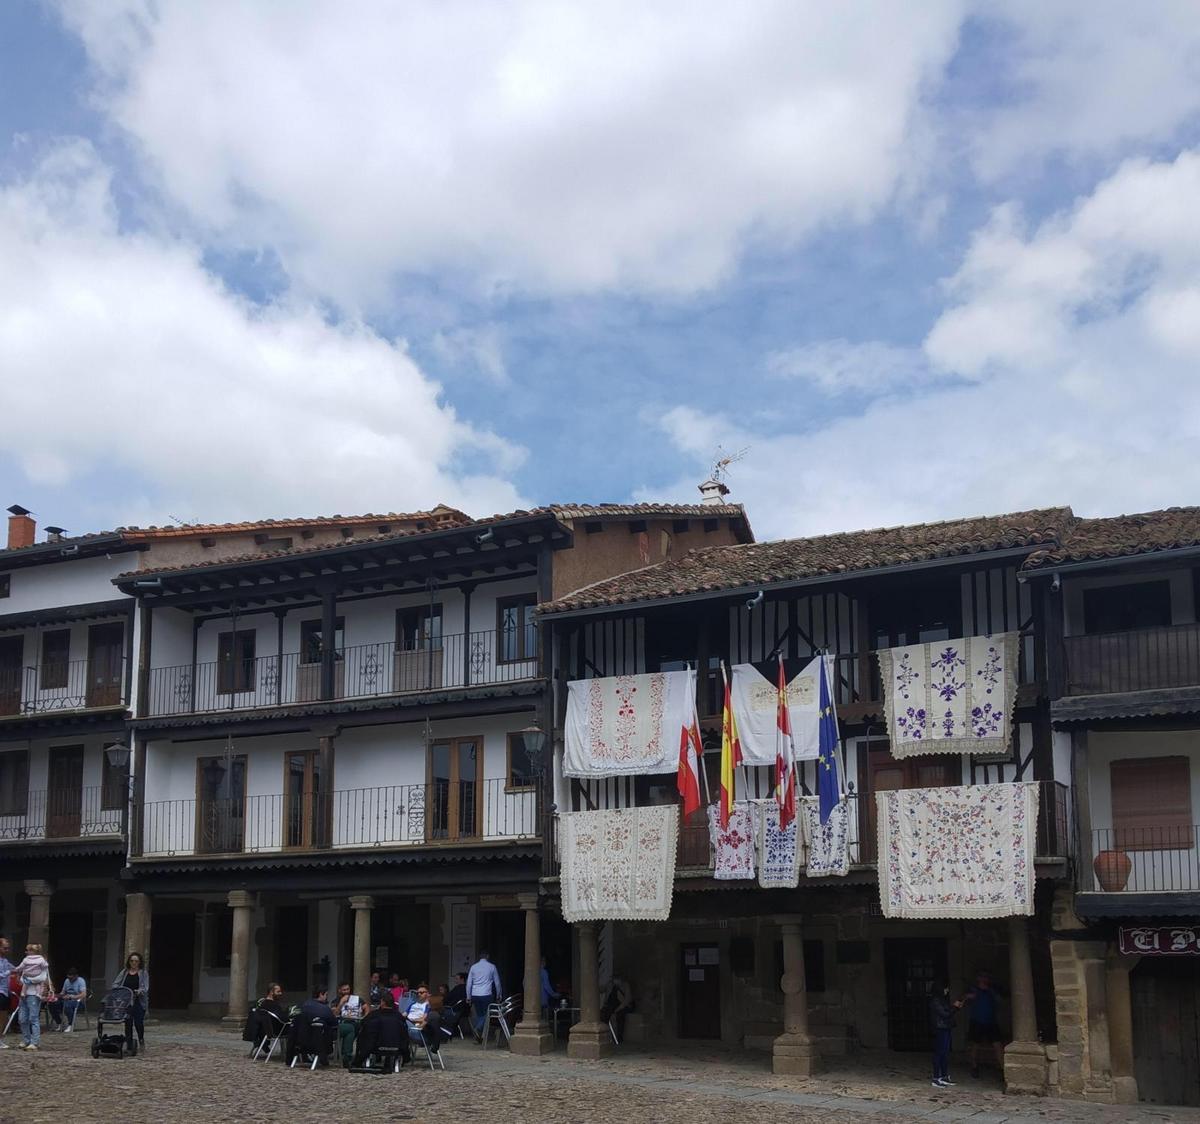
(1152, 804)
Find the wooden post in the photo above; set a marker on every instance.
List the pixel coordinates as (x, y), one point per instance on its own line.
(138, 914)
(467, 590)
(146, 627)
(532, 1036)
(590, 1038)
(1120, 1028)
(40, 892)
(362, 905)
(242, 903)
(1025, 1056)
(328, 644)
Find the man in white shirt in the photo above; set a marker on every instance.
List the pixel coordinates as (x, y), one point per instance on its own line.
(483, 986)
(423, 1020)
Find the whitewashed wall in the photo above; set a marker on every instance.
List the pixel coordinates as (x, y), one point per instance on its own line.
(70, 582)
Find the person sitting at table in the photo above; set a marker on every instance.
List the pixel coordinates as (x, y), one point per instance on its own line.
(423, 1022)
(374, 990)
(550, 997)
(259, 1023)
(317, 1009)
(458, 992)
(383, 1027)
(349, 1009)
(70, 998)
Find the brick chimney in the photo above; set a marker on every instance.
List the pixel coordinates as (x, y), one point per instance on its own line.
(21, 528)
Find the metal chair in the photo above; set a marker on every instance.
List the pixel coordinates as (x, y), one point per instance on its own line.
(612, 1029)
(501, 1014)
(81, 1010)
(313, 1043)
(431, 1056)
(272, 1038)
(390, 1056)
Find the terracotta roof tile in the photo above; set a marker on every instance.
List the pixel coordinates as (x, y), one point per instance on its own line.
(755, 564)
(1122, 535)
(441, 514)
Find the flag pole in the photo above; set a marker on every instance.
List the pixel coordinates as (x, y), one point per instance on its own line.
(700, 744)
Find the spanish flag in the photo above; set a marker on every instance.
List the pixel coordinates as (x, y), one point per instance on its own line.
(691, 753)
(785, 773)
(731, 755)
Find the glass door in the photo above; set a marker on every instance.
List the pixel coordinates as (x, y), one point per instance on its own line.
(304, 813)
(455, 773)
(64, 795)
(106, 644)
(221, 805)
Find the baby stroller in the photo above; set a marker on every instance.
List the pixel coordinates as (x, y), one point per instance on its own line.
(114, 1010)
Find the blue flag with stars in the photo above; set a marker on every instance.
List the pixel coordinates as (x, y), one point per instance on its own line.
(829, 789)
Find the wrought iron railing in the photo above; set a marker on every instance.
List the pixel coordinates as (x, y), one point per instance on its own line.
(436, 814)
(1053, 838)
(1145, 659)
(1134, 860)
(364, 671)
(68, 813)
(56, 687)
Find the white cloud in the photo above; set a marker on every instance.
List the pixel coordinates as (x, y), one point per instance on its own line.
(1089, 78)
(478, 349)
(1081, 338)
(554, 147)
(841, 367)
(120, 354)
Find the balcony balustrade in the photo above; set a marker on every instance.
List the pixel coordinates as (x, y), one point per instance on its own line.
(71, 813)
(1141, 860)
(72, 685)
(441, 813)
(1145, 659)
(365, 671)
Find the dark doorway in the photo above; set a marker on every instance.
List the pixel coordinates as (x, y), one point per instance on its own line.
(291, 948)
(911, 968)
(504, 938)
(1166, 1030)
(106, 650)
(71, 947)
(64, 792)
(699, 991)
(12, 652)
(401, 929)
(172, 959)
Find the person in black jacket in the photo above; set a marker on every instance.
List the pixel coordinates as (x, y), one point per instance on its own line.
(382, 1027)
(941, 1018)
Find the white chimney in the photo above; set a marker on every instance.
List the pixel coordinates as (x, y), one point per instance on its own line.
(713, 492)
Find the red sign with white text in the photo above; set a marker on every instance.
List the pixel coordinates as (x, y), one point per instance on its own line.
(1161, 940)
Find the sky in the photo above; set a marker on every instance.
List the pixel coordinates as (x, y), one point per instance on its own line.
(283, 259)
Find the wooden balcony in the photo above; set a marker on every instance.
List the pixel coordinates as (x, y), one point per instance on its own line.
(1150, 659)
(367, 671)
(439, 814)
(61, 688)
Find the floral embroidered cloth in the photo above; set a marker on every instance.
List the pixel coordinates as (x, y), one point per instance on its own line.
(955, 696)
(828, 843)
(755, 701)
(627, 724)
(618, 864)
(778, 855)
(960, 851)
(733, 846)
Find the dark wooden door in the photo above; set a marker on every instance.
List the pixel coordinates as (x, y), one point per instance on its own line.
(911, 968)
(291, 949)
(12, 654)
(699, 991)
(64, 792)
(883, 773)
(1166, 1030)
(106, 646)
(172, 959)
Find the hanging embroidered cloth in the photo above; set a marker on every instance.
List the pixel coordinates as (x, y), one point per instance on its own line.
(624, 725)
(953, 696)
(778, 855)
(618, 864)
(960, 851)
(828, 843)
(755, 700)
(733, 846)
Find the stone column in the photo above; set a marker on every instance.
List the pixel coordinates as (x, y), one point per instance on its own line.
(242, 903)
(1025, 1056)
(1097, 1083)
(39, 892)
(590, 1038)
(532, 1035)
(1120, 1029)
(362, 905)
(138, 912)
(793, 1053)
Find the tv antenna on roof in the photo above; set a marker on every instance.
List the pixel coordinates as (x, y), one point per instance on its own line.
(720, 468)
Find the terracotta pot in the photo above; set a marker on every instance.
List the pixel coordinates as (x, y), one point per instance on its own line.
(1112, 869)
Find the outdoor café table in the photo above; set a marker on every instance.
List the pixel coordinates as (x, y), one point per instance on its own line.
(558, 1012)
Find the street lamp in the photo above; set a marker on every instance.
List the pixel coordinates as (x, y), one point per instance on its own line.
(535, 748)
(118, 755)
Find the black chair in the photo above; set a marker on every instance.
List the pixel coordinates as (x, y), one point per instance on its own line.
(274, 1029)
(312, 1041)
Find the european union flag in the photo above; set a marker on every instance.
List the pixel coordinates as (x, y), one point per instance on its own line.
(829, 789)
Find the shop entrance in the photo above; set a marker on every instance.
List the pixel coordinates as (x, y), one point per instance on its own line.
(1165, 993)
(911, 967)
(699, 991)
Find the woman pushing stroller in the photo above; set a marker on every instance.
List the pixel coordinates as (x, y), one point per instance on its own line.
(135, 977)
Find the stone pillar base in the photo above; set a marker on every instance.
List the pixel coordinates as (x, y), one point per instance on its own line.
(1025, 1069)
(232, 1023)
(589, 1042)
(794, 1055)
(531, 1041)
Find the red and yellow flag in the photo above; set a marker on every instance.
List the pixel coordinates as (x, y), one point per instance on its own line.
(785, 774)
(731, 755)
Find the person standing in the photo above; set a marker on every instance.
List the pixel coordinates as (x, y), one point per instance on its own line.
(941, 1017)
(549, 996)
(983, 1023)
(135, 977)
(483, 987)
(6, 970)
(34, 972)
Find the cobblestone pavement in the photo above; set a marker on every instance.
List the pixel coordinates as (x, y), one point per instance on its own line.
(193, 1071)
